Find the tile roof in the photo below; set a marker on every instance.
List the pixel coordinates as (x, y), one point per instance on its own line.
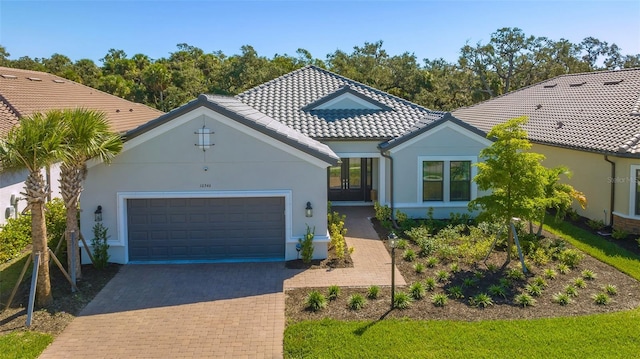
(24, 92)
(290, 99)
(595, 111)
(250, 117)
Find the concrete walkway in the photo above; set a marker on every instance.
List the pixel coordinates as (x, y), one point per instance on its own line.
(371, 261)
(232, 310)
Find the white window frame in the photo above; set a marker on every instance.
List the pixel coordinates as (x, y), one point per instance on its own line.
(632, 191)
(447, 179)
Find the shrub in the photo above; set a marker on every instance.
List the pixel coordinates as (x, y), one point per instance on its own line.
(540, 282)
(417, 291)
(409, 255)
(373, 291)
(316, 301)
(563, 268)
(570, 257)
(595, 225)
(337, 232)
(572, 214)
(383, 214)
(505, 282)
(515, 274)
(540, 257)
(432, 262)
(401, 300)
(418, 267)
(430, 284)
(417, 234)
(439, 299)
(601, 298)
(100, 246)
(491, 267)
(525, 300)
(401, 244)
(469, 282)
(334, 292)
(589, 274)
(550, 273)
(497, 291)
(442, 276)
(481, 300)
(356, 302)
(579, 283)
(571, 291)
(533, 289)
(455, 292)
(562, 298)
(619, 234)
(454, 267)
(306, 245)
(610, 289)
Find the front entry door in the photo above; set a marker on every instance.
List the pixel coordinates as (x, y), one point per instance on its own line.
(350, 180)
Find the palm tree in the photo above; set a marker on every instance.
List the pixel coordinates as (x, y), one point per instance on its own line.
(87, 135)
(34, 144)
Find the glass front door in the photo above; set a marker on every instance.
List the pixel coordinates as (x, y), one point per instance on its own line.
(350, 180)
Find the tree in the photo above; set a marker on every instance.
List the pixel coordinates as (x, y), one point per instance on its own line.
(514, 176)
(86, 135)
(556, 195)
(34, 144)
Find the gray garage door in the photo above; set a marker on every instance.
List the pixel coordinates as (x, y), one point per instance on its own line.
(206, 228)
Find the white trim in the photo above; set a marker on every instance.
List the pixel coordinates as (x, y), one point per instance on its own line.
(446, 125)
(121, 221)
(350, 97)
(632, 192)
(208, 114)
(455, 204)
(446, 180)
(626, 216)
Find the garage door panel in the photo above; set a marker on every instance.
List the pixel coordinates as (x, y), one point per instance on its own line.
(205, 228)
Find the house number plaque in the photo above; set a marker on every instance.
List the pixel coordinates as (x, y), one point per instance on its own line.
(205, 185)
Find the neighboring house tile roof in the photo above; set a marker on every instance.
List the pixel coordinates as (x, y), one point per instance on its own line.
(24, 92)
(291, 99)
(250, 117)
(595, 111)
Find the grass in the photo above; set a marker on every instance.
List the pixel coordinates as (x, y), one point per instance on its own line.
(23, 344)
(10, 271)
(597, 247)
(593, 336)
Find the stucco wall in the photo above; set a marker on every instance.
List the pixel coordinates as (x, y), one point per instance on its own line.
(170, 162)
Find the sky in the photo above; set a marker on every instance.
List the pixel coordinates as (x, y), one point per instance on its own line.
(429, 29)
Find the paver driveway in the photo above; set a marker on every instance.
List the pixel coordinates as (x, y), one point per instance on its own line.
(232, 310)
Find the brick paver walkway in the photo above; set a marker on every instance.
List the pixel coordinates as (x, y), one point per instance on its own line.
(233, 310)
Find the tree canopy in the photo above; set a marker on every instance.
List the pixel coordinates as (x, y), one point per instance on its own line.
(510, 60)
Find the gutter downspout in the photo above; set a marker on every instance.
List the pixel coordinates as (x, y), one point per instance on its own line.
(393, 215)
(613, 189)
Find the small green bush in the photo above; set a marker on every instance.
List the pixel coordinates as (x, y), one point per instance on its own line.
(481, 300)
(579, 283)
(335, 224)
(455, 292)
(356, 302)
(417, 291)
(442, 276)
(601, 298)
(100, 246)
(497, 291)
(373, 292)
(454, 267)
(562, 298)
(419, 267)
(505, 282)
(401, 244)
(439, 299)
(306, 245)
(525, 300)
(430, 284)
(550, 273)
(619, 234)
(540, 282)
(540, 257)
(316, 301)
(571, 291)
(469, 282)
(401, 300)
(595, 225)
(570, 257)
(515, 274)
(417, 234)
(563, 268)
(533, 289)
(432, 262)
(409, 255)
(610, 289)
(589, 274)
(334, 292)
(491, 267)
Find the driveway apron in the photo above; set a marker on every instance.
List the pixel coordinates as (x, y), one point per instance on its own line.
(232, 310)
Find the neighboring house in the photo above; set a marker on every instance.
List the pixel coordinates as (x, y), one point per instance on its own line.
(24, 92)
(230, 178)
(589, 122)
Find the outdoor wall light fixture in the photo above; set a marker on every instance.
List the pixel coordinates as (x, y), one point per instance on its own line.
(309, 210)
(98, 214)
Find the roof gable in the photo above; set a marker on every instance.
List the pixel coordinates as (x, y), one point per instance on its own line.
(595, 111)
(249, 117)
(24, 92)
(322, 105)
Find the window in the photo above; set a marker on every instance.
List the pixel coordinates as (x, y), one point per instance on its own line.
(447, 179)
(433, 180)
(460, 181)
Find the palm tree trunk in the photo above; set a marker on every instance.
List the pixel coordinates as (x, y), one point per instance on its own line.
(39, 233)
(72, 225)
(70, 189)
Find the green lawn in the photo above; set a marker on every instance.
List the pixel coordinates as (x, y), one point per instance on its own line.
(23, 345)
(614, 335)
(9, 273)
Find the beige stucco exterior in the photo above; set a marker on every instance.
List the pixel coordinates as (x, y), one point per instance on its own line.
(242, 162)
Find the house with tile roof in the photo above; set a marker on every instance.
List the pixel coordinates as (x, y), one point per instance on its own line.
(24, 92)
(589, 122)
(245, 177)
